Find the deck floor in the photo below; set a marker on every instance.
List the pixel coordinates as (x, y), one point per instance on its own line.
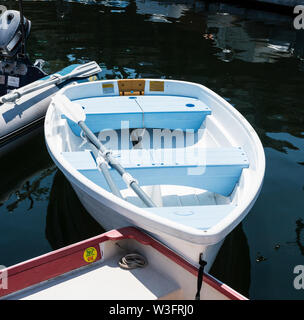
(105, 281)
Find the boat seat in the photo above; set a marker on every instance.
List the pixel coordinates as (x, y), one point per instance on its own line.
(104, 113)
(213, 169)
(157, 111)
(198, 217)
(172, 112)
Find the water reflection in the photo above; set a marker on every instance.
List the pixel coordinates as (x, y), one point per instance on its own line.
(300, 235)
(22, 173)
(31, 190)
(67, 221)
(235, 30)
(232, 264)
(244, 35)
(26, 177)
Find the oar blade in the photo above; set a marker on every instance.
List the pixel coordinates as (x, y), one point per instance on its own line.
(71, 110)
(86, 70)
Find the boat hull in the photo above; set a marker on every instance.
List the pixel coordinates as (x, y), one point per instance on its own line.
(22, 121)
(225, 127)
(110, 219)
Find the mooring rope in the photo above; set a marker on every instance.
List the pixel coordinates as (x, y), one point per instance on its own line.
(132, 261)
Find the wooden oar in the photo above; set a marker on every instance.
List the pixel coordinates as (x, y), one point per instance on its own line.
(75, 113)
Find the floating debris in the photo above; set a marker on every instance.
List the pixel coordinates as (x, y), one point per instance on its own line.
(260, 258)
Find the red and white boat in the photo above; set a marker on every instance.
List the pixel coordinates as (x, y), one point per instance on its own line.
(90, 270)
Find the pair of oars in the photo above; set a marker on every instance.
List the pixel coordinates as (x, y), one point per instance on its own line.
(75, 113)
(82, 71)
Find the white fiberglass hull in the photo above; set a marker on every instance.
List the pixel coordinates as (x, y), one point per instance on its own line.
(108, 218)
(223, 129)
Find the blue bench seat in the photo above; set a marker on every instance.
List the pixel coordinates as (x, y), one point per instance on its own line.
(108, 113)
(157, 111)
(215, 169)
(173, 112)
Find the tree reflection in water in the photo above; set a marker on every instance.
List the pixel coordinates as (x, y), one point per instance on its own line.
(32, 191)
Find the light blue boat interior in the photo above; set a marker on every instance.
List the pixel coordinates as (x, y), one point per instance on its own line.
(157, 111)
(219, 172)
(198, 217)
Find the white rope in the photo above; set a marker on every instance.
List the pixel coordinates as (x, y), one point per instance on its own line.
(132, 261)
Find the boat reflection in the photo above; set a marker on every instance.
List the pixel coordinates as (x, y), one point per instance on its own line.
(232, 264)
(67, 221)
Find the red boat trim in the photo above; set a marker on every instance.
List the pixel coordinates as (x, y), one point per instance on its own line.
(58, 262)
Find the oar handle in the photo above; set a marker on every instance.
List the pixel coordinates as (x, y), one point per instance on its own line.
(91, 136)
(11, 97)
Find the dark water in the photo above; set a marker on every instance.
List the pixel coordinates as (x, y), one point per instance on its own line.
(254, 59)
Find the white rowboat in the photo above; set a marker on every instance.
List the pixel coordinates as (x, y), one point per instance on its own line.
(203, 173)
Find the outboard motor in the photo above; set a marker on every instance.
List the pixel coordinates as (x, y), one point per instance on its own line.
(16, 70)
(11, 33)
